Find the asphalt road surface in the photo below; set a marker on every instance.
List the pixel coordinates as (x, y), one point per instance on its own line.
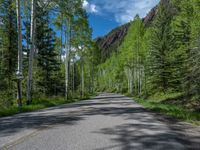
(107, 122)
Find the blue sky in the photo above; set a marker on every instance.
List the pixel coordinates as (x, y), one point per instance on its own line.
(104, 15)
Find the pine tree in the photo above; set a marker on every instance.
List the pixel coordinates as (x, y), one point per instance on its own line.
(181, 28)
(31, 54)
(194, 57)
(160, 48)
(19, 73)
(47, 57)
(8, 48)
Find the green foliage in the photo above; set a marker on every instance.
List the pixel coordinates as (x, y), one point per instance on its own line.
(160, 59)
(8, 51)
(48, 69)
(172, 110)
(152, 61)
(181, 28)
(116, 73)
(161, 44)
(194, 57)
(57, 33)
(38, 103)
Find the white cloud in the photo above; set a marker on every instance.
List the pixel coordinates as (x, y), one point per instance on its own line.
(91, 8)
(123, 10)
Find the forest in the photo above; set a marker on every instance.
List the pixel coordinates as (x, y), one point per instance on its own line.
(45, 49)
(159, 61)
(48, 56)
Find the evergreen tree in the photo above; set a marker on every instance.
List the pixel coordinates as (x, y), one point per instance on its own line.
(181, 28)
(161, 43)
(8, 48)
(194, 57)
(47, 57)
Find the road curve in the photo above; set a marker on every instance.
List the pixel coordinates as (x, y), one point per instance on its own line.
(107, 122)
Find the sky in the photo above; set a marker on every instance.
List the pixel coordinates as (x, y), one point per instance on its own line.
(105, 15)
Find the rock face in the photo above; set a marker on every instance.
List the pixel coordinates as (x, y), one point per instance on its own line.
(150, 17)
(110, 42)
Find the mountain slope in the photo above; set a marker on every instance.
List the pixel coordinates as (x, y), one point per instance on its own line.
(110, 42)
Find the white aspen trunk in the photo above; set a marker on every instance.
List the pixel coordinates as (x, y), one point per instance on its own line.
(61, 38)
(66, 73)
(66, 63)
(138, 72)
(131, 82)
(19, 69)
(126, 70)
(135, 76)
(145, 81)
(31, 54)
(73, 76)
(67, 58)
(92, 78)
(82, 78)
(128, 84)
(139, 81)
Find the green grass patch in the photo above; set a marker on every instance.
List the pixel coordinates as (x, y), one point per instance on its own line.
(39, 103)
(171, 110)
(159, 97)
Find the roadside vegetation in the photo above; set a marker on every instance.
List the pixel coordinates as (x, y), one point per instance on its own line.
(39, 103)
(45, 54)
(172, 105)
(159, 62)
(48, 57)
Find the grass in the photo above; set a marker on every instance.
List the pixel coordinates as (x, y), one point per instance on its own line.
(158, 104)
(39, 103)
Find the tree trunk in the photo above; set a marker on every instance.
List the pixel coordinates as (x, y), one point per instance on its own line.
(19, 69)
(66, 66)
(31, 54)
(131, 81)
(82, 78)
(92, 78)
(73, 76)
(67, 59)
(61, 37)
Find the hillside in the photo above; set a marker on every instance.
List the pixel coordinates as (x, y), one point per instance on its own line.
(158, 59)
(110, 42)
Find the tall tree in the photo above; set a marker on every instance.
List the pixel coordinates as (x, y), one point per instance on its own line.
(8, 49)
(160, 48)
(31, 54)
(19, 69)
(47, 57)
(82, 42)
(194, 57)
(181, 29)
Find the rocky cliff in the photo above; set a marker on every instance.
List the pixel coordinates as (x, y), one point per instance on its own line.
(110, 42)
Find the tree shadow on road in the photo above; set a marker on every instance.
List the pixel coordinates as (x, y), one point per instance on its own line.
(151, 131)
(147, 136)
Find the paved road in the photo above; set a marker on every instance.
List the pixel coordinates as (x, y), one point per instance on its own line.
(107, 122)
